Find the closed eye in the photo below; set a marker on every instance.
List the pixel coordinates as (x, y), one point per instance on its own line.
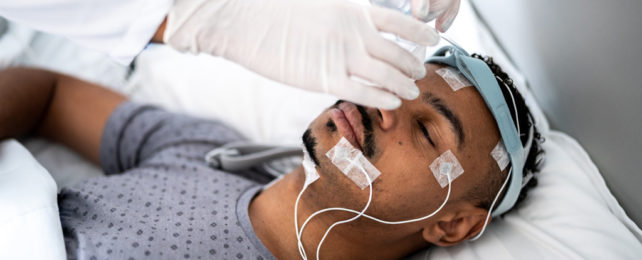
(425, 132)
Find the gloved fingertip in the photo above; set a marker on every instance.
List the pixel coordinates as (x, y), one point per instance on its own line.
(446, 25)
(409, 90)
(419, 72)
(431, 16)
(414, 92)
(421, 10)
(431, 36)
(390, 102)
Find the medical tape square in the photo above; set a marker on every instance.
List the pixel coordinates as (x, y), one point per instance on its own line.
(500, 155)
(352, 163)
(444, 164)
(454, 78)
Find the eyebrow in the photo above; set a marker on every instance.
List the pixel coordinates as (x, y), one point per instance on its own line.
(446, 112)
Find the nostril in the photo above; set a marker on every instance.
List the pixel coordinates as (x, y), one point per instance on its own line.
(387, 119)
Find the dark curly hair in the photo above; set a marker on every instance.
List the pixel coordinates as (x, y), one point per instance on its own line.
(488, 187)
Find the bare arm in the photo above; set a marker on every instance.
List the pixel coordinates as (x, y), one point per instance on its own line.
(61, 108)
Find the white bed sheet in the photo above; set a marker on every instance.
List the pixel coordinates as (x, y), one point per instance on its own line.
(29, 224)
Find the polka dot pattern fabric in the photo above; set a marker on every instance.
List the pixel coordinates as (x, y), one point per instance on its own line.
(159, 199)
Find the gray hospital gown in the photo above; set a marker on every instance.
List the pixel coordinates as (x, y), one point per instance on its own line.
(160, 200)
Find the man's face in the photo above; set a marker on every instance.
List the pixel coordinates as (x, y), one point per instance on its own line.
(402, 144)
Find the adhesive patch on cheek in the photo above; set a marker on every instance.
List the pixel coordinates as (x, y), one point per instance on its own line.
(311, 174)
(500, 155)
(352, 163)
(454, 78)
(446, 164)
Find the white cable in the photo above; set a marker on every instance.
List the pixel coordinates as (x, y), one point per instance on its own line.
(385, 221)
(351, 219)
(509, 173)
(379, 220)
(299, 233)
(490, 210)
(296, 224)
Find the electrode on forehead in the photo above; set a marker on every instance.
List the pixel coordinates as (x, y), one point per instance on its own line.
(454, 78)
(446, 164)
(352, 163)
(500, 155)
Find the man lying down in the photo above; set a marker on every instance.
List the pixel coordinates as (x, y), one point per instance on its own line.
(160, 200)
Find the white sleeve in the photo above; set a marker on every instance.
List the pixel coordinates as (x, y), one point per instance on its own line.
(119, 28)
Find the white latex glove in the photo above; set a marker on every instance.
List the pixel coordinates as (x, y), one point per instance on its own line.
(312, 44)
(444, 10)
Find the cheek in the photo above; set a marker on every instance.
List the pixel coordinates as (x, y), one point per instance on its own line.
(398, 161)
(406, 188)
(405, 195)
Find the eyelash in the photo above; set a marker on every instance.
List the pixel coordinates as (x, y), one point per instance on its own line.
(425, 131)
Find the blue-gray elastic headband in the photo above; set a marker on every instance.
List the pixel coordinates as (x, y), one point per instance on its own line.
(480, 75)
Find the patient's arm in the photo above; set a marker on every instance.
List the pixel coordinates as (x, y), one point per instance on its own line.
(61, 108)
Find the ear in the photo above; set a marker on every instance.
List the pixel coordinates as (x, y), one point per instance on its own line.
(455, 227)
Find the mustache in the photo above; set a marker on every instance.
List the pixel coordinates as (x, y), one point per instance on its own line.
(369, 146)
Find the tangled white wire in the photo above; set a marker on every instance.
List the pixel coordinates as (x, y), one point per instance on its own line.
(296, 204)
(359, 214)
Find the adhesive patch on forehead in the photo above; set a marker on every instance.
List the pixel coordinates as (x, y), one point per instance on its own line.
(446, 164)
(352, 163)
(454, 78)
(311, 174)
(500, 155)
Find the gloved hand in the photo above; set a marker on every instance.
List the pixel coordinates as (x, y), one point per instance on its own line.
(312, 44)
(444, 10)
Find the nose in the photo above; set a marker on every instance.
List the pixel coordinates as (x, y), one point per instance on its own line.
(388, 118)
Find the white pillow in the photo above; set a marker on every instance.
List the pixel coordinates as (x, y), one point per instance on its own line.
(570, 214)
(29, 222)
(261, 109)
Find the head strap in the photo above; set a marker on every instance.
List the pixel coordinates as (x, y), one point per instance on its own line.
(480, 75)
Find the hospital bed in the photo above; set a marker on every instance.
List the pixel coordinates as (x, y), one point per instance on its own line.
(571, 214)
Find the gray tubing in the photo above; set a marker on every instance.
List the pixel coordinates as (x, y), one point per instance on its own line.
(239, 156)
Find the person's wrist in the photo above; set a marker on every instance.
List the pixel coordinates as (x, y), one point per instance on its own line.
(160, 32)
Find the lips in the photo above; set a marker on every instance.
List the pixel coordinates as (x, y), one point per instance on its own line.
(348, 121)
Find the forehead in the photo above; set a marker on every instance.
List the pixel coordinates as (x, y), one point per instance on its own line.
(478, 124)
